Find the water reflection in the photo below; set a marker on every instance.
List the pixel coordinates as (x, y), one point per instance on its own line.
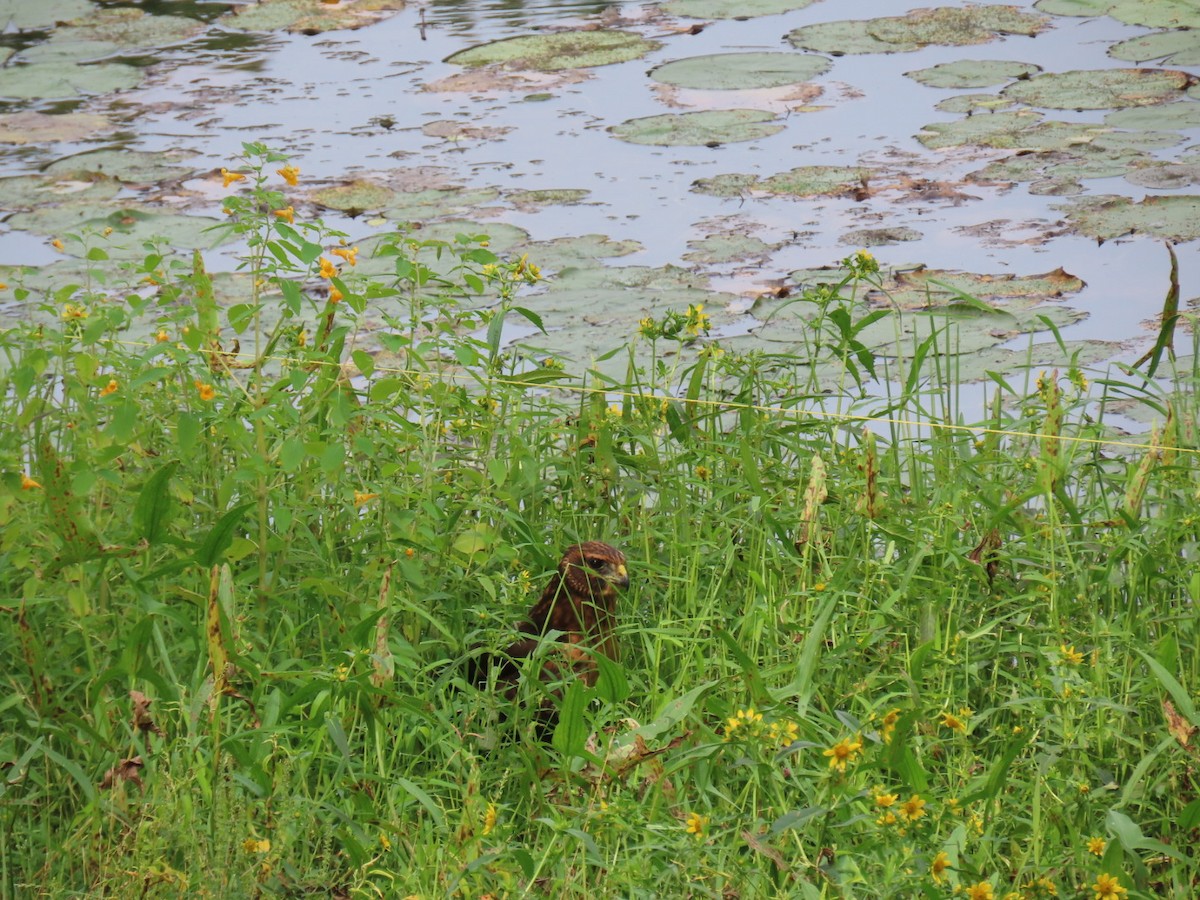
(466, 16)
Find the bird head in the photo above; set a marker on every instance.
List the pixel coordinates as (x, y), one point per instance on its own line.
(600, 566)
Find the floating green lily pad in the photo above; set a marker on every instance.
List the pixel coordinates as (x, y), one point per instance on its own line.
(813, 181)
(131, 227)
(727, 248)
(548, 197)
(879, 237)
(732, 9)
(1177, 48)
(969, 104)
(1017, 130)
(1174, 116)
(943, 26)
(1100, 88)
(26, 16)
(309, 16)
(711, 126)
(29, 191)
(740, 71)
(34, 127)
(1161, 175)
(126, 28)
(1155, 14)
(361, 195)
(559, 50)
(1166, 218)
(437, 203)
(127, 166)
(585, 250)
(54, 81)
(973, 73)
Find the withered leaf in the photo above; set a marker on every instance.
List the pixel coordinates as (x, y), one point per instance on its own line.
(142, 721)
(1181, 729)
(125, 770)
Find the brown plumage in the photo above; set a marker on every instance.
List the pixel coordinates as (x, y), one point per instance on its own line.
(580, 602)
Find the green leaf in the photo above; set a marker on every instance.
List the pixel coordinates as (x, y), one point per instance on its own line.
(571, 732)
(221, 536)
(153, 510)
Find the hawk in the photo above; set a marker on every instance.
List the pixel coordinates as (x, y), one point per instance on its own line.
(580, 603)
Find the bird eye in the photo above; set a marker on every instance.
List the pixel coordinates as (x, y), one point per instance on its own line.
(596, 563)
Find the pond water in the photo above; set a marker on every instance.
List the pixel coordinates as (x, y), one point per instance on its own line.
(381, 103)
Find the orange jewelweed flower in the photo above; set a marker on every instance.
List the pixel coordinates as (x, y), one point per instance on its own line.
(288, 214)
(206, 391)
(328, 269)
(111, 388)
(57, 244)
(335, 296)
(28, 484)
(349, 254)
(361, 499)
(231, 177)
(289, 173)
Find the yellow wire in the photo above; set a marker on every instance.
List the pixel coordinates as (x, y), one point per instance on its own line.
(735, 405)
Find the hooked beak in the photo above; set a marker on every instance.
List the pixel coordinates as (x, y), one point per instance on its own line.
(621, 579)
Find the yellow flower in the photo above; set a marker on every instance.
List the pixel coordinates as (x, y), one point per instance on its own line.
(912, 809)
(288, 214)
(335, 296)
(527, 270)
(57, 244)
(206, 391)
(938, 867)
(289, 173)
(885, 800)
(231, 177)
(888, 724)
(783, 733)
(328, 269)
(743, 718)
(703, 473)
(696, 823)
(71, 311)
(162, 337)
(3, 286)
(361, 499)
(697, 320)
(1096, 846)
(384, 841)
(648, 328)
(111, 388)
(981, 891)
(1070, 655)
(253, 845)
(1108, 887)
(27, 483)
(953, 722)
(842, 753)
(489, 817)
(349, 254)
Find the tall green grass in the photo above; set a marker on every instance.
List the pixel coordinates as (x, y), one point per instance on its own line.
(858, 659)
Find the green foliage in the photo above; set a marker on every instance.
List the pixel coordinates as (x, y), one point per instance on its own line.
(247, 550)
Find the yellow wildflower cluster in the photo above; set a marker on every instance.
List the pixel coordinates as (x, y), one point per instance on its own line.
(697, 321)
(845, 752)
(696, 823)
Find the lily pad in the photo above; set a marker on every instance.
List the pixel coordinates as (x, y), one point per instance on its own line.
(131, 227)
(310, 16)
(35, 128)
(559, 50)
(1017, 130)
(739, 71)
(1101, 88)
(361, 195)
(1167, 218)
(53, 81)
(1162, 175)
(814, 181)
(548, 197)
(1179, 48)
(712, 126)
(901, 34)
(969, 104)
(1159, 14)
(973, 73)
(437, 203)
(879, 237)
(127, 166)
(25, 16)
(727, 248)
(128, 29)
(29, 191)
(584, 250)
(732, 9)
(1175, 116)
